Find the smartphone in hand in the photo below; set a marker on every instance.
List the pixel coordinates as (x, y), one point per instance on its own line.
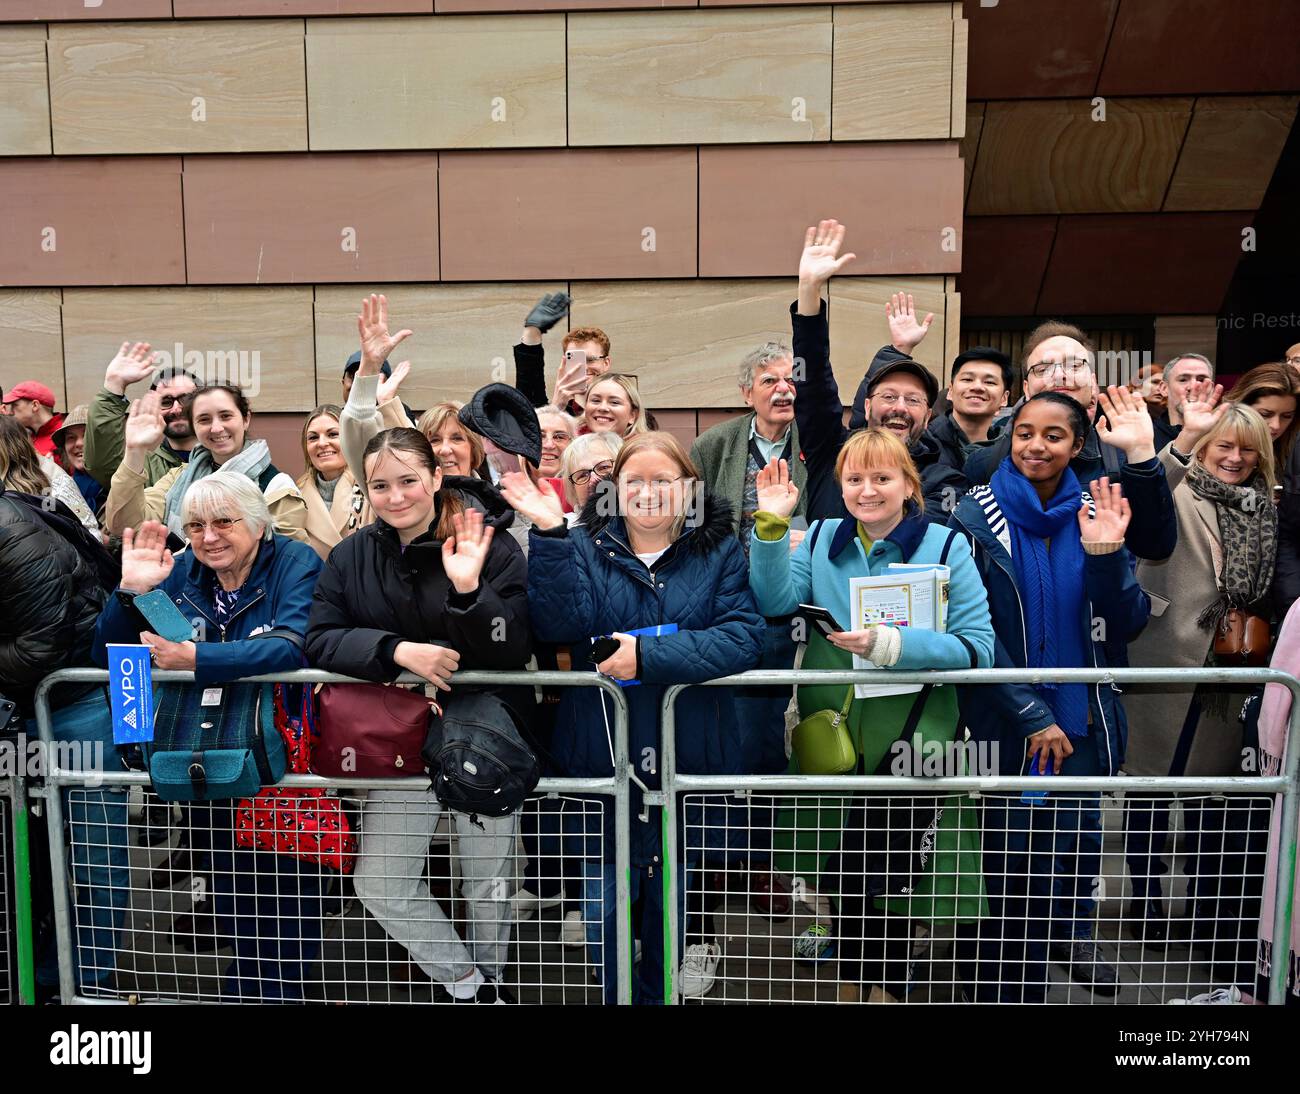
(573, 373)
(820, 618)
(602, 649)
(163, 616)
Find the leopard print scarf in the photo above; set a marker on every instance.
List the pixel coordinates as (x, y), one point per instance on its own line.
(1248, 536)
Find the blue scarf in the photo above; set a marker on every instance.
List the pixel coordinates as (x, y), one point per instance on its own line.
(1051, 585)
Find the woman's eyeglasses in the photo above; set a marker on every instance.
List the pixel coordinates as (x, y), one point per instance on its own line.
(196, 528)
(585, 475)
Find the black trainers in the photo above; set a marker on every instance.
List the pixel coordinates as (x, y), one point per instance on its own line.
(1149, 923)
(489, 992)
(1086, 966)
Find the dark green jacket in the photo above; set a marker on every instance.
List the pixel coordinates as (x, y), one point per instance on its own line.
(722, 454)
(106, 441)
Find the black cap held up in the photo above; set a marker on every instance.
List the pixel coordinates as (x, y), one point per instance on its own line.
(507, 419)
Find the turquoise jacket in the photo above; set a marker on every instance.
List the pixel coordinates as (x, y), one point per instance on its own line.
(818, 572)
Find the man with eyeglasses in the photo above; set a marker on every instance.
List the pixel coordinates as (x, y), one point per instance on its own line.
(106, 427)
(1292, 356)
(1189, 376)
(1059, 357)
(899, 394)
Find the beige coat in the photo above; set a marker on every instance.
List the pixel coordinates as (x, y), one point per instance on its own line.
(132, 501)
(327, 526)
(1181, 587)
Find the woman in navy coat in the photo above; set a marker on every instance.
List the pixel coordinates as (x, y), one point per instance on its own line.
(653, 551)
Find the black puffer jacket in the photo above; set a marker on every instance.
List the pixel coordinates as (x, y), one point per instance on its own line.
(371, 595)
(50, 599)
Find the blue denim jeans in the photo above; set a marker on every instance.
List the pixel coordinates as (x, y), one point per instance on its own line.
(598, 910)
(1041, 863)
(99, 858)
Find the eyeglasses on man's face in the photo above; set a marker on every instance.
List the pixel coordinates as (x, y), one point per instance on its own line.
(1070, 367)
(888, 398)
(586, 474)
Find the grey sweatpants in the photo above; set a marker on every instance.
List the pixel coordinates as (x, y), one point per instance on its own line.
(395, 831)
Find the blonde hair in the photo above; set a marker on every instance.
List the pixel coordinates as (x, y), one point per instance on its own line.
(668, 445)
(1245, 425)
(434, 419)
(870, 448)
(578, 450)
(325, 410)
(629, 385)
(20, 465)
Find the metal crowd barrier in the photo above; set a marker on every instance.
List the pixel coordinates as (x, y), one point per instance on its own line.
(769, 960)
(287, 921)
(941, 941)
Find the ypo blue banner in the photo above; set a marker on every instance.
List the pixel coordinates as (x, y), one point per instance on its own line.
(130, 688)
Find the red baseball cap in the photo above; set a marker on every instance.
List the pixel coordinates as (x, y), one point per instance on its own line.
(30, 389)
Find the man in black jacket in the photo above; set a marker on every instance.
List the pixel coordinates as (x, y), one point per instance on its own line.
(900, 394)
(1059, 357)
(977, 392)
(1185, 377)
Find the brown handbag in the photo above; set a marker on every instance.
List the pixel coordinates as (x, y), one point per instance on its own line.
(371, 730)
(1243, 638)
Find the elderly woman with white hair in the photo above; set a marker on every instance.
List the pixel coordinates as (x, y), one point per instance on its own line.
(239, 578)
(585, 462)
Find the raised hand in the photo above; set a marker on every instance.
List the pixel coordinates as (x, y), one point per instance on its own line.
(1109, 520)
(388, 387)
(429, 662)
(537, 501)
(1127, 424)
(377, 344)
(145, 424)
(132, 364)
(821, 259)
(1199, 416)
(777, 493)
(905, 333)
(548, 311)
(464, 553)
(146, 561)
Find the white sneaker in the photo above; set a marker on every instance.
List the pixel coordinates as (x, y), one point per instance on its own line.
(573, 932)
(525, 904)
(1222, 997)
(700, 969)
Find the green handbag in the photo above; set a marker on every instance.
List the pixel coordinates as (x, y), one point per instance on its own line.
(821, 742)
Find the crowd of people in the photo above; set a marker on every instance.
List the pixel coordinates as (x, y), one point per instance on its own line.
(1082, 525)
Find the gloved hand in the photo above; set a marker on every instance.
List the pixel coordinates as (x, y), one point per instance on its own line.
(548, 311)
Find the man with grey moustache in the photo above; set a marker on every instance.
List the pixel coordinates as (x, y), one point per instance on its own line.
(731, 455)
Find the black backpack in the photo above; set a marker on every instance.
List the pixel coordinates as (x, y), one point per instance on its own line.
(478, 759)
